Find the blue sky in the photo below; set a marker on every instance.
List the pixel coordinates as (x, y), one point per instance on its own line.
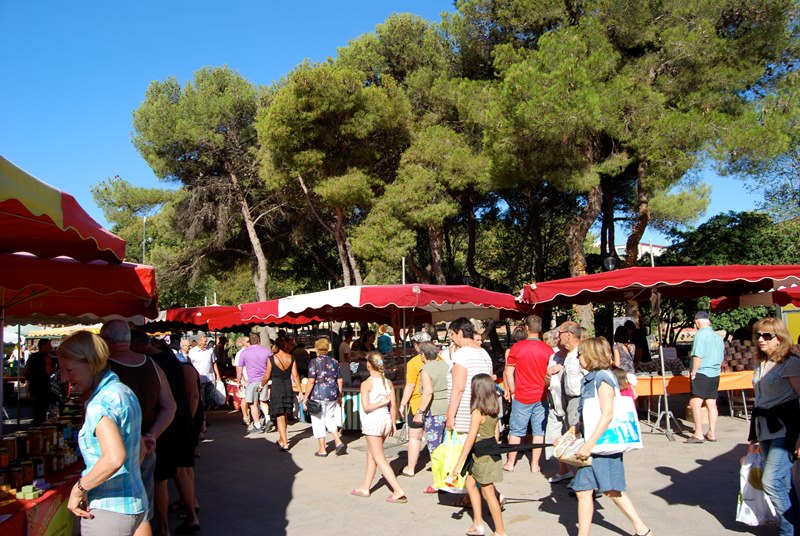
(75, 71)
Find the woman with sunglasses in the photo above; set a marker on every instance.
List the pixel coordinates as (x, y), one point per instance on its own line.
(776, 418)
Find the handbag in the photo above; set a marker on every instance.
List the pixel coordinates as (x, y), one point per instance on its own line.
(623, 432)
(754, 507)
(444, 459)
(313, 406)
(567, 449)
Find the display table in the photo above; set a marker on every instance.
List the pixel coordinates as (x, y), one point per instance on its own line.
(45, 516)
(728, 381)
(351, 402)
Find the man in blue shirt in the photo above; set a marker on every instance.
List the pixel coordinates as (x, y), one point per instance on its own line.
(704, 369)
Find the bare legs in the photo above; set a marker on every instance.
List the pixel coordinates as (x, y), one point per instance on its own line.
(713, 414)
(536, 454)
(376, 459)
(161, 496)
(621, 500)
(490, 496)
(512, 456)
(696, 403)
(283, 438)
(414, 445)
(184, 481)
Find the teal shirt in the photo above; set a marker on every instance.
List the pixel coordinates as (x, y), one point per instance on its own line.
(709, 347)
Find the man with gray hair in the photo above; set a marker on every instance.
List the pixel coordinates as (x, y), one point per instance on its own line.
(569, 335)
(203, 358)
(148, 382)
(708, 352)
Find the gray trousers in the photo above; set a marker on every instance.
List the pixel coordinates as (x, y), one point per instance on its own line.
(107, 523)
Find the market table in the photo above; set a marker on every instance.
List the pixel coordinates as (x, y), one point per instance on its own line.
(351, 401)
(46, 515)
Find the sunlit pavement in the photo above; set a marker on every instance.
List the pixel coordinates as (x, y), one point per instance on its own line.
(247, 486)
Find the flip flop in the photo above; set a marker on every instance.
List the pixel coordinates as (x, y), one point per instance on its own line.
(358, 493)
(321, 454)
(712, 440)
(693, 441)
(403, 473)
(430, 490)
(478, 531)
(508, 470)
(399, 500)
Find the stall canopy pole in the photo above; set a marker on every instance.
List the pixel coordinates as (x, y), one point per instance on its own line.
(665, 413)
(19, 372)
(2, 364)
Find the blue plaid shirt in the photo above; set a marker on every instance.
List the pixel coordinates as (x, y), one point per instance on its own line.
(123, 492)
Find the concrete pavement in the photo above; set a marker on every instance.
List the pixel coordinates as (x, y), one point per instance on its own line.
(247, 486)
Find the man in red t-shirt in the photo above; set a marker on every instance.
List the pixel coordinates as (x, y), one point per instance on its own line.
(525, 388)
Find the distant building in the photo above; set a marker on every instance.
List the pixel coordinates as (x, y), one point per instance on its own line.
(653, 249)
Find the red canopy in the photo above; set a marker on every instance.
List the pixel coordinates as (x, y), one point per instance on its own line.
(781, 297)
(39, 219)
(383, 303)
(198, 316)
(61, 289)
(637, 284)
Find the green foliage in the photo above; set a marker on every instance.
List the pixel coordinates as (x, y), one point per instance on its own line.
(736, 238)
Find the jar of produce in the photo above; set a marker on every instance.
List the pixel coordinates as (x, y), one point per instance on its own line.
(27, 472)
(9, 442)
(50, 432)
(15, 476)
(4, 458)
(34, 441)
(22, 445)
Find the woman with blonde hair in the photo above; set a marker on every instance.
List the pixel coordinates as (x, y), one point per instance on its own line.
(109, 497)
(378, 415)
(325, 386)
(775, 423)
(606, 473)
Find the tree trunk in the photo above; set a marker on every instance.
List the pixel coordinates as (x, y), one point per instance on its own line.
(261, 268)
(435, 240)
(352, 260)
(607, 230)
(422, 277)
(642, 217)
(576, 235)
(477, 279)
(341, 247)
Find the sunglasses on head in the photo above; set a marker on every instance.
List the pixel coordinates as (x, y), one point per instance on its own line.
(765, 336)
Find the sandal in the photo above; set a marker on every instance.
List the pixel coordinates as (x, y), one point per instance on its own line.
(321, 454)
(692, 441)
(645, 534)
(358, 493)
(430, 490)
(404, 473)
(475, 531)
(711, 439)
(400, 500)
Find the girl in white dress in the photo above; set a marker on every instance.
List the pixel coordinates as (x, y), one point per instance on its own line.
(378, 414)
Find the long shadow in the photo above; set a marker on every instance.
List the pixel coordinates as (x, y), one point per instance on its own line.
(245, 483)
(561, 504)
(714, 487)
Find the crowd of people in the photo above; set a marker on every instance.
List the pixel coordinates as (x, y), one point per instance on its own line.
(145, 402)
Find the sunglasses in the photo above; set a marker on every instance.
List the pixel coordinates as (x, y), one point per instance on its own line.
(765, 336)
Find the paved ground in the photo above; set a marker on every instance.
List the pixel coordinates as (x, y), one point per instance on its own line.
(246, 486)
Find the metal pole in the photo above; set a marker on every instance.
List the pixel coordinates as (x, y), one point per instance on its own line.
(144, 235)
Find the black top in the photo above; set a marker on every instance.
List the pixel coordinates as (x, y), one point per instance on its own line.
(38, 378)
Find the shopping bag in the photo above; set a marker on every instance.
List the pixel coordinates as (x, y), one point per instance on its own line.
(566, 449)
(220, 395)
(623, 432)
(444, 459)
(754, 507)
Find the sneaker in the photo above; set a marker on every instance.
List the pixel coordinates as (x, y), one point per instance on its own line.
(341, 449)
(255, 429)
(559, 478)
(271, 427)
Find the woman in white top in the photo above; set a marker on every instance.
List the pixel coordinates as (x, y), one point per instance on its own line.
(378, 414)
(469, 360)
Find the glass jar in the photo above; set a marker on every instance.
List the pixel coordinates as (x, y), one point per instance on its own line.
(15, 476)
(22, 445)
(38, 466)
(4, 458)
(10, 444)
(34, 441)
(27, 472)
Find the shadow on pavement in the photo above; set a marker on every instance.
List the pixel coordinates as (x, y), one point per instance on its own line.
(714, 487)
(244, 483)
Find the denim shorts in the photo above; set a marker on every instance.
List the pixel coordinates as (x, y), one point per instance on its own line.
(605, 474)
(523, 414)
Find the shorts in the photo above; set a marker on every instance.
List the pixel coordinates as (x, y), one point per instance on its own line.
(556, 427)
(523, 414)
(107, 523)
(251, 393)
(377, 425)
(414, 424)
(705, 387)
(573, 415)
(434, 430)
(166, 460)
(605, 474)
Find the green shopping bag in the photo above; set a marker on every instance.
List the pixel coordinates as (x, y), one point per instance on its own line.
(444, 458)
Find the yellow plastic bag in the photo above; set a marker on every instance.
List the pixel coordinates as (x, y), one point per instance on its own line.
(444, 458)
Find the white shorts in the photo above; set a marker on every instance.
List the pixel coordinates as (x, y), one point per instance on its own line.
(380, 425)
(326, 421)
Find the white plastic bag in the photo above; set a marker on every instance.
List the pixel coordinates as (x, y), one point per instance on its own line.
(220, 395)
(623, 432)
(754, 506)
